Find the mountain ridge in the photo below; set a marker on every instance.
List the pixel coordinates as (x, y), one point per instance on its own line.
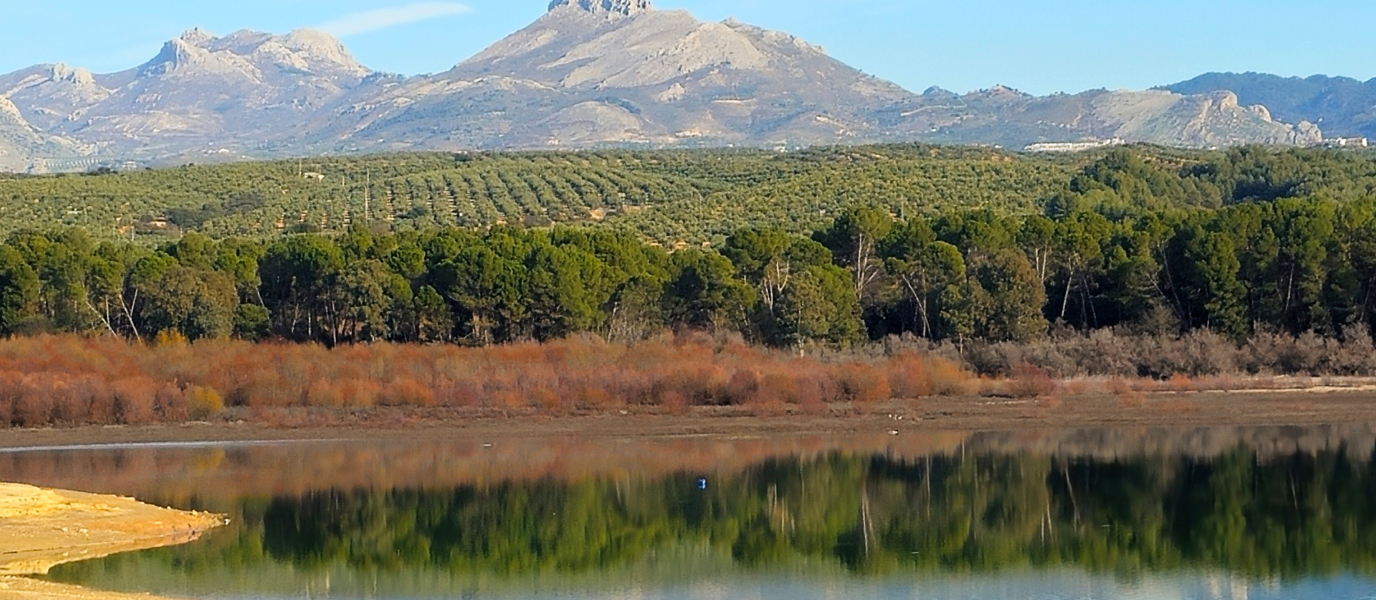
(587, 73)
(1343, 106)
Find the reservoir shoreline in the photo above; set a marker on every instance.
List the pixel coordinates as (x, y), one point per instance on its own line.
(1247, 408)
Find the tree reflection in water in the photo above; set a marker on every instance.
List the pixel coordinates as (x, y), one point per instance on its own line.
(1287, 517)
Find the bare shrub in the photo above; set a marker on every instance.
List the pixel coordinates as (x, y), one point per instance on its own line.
(135, 401)
(1031, 381)
(909, 376)
(741, 388)
(171, 404)
(407, 392)
(674, 402)
(861, 383)
(69, 380)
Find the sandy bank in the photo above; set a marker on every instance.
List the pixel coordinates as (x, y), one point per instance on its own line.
(22, 588)
(40, 529)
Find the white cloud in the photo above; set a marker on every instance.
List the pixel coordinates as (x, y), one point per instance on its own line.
(383, 18)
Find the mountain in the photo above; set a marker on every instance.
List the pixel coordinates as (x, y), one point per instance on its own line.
(620, 72)
(588, 73)
(1343, 107)
(1014, 119)
(24, 147)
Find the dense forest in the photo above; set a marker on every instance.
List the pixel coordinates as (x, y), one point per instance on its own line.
(1244, 245)
(1286, 516)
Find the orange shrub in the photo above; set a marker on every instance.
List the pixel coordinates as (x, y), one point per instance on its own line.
(510, 401)
(1181, 382)
(71, 380)
(594, 398)
(674, 402)
(948, 379)
(908, 377)
(327, 394)
(743, 386)
(171, 404)
(546, 400)
(31, 409)
(862, 383)
(135, 401)
(1030, 381)
(407, 392)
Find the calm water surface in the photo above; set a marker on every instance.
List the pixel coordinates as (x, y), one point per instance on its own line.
(1208, 514)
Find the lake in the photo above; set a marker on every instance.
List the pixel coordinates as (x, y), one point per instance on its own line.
(1231, 513)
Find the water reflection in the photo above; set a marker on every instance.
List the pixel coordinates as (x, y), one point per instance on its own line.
(1259, 519)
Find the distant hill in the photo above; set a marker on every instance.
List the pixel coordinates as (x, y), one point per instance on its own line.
(22, 146)
(587, 74)
(1014, 119)
(1341, 106)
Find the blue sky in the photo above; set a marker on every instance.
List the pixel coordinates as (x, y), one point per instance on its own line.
(1040, 46)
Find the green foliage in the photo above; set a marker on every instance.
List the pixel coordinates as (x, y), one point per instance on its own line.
(193, 302)
(1283, 517)
(1145, 238)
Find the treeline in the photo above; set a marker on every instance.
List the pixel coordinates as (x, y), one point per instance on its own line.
(1292, 517)
(1154, 246)
(1288, 266)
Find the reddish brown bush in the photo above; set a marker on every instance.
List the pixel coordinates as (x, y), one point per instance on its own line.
(135, 401)
(170, 404)
(1031, 382)
(743, 387)
(594, 398)
(862, 383)
(407, 392)
(547, 401)
(909, 377)
(674, 402)
(70, 380)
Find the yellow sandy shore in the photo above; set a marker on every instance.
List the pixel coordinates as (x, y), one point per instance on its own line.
(21, 588)
(40, 529)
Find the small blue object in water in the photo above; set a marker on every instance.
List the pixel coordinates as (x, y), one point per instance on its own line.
(702, 483)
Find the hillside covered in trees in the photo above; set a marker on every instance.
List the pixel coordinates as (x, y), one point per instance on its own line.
(828, 248)
(668, 197)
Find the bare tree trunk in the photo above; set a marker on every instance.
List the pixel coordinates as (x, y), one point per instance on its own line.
(1065, 301)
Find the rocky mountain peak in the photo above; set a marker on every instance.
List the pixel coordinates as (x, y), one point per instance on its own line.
(301, 51)
(174, 53)
(197, 37)
(623, 8)
(321, 46)
(62, 73)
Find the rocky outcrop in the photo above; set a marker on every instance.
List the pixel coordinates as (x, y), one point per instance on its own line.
(204, 93)
(624, 8)
(1344, 106)
(1013, 119)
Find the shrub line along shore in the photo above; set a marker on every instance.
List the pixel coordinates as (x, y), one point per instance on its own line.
(71, 381)
(930, 416)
